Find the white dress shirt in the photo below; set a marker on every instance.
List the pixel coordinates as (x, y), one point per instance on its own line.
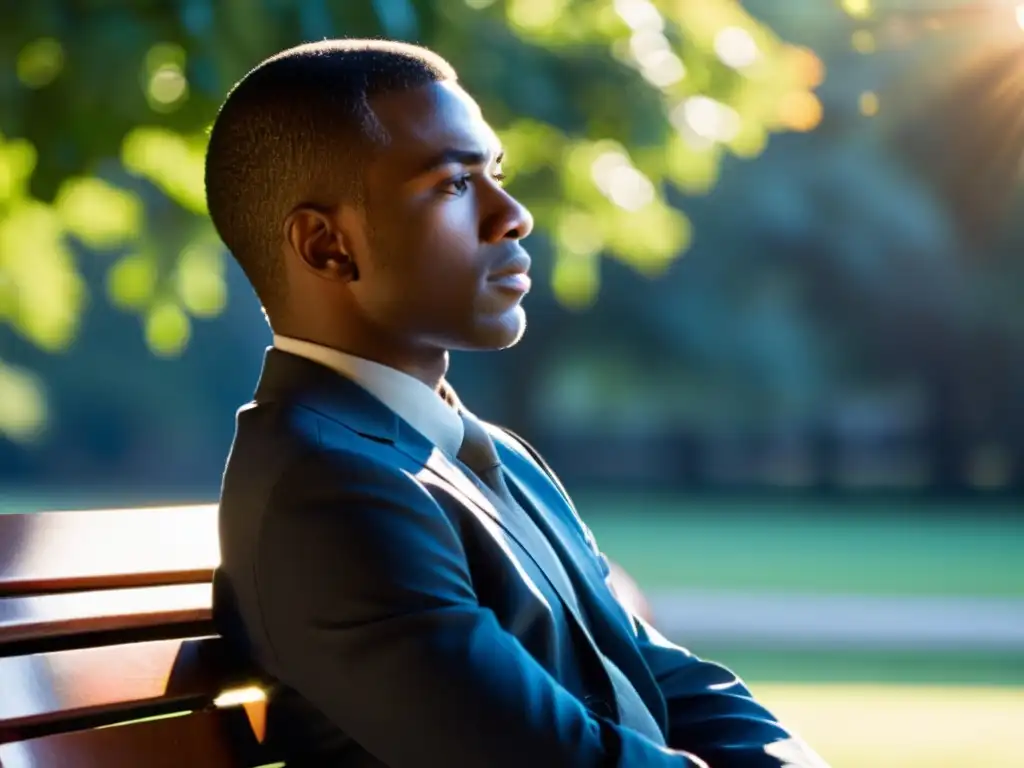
(423, 408)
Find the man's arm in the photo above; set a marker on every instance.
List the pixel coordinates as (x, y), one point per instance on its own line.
(371, 614)
(714, 715)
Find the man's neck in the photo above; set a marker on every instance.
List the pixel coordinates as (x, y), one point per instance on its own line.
(427, 365)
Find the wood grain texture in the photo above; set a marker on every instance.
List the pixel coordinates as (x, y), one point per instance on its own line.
(37, 617)
(44, 692)
(196, 740)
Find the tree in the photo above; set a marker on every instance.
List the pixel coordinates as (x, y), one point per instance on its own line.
(603, 108)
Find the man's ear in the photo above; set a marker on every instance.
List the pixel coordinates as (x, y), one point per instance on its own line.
(314, 236)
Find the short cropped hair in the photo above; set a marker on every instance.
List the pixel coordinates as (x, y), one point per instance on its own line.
(298, 129)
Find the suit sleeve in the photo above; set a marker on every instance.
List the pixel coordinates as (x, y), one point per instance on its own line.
(713, 714)
(371, 615)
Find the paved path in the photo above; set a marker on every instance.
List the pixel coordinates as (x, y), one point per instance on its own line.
(842, 621)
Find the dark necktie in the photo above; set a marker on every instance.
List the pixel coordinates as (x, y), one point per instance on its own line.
(480, 455)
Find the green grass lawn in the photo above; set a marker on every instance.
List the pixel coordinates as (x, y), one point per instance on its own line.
(898, 726)
(851, 666)
(811, 546)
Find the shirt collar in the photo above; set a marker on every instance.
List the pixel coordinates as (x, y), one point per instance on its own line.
(423, 408)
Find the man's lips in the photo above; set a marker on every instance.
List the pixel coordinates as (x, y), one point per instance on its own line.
(519, 282)
(513, 275)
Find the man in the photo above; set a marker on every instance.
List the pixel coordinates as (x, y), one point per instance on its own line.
(415, 582)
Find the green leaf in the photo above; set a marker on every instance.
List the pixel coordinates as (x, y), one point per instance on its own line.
(167, 329)
(131, 282)
(694, 169)
(99, 214)
(649, 239)
(535, 15)
(173, 162)
(575, 279)
(41, 274)
(22, 405)
(40, 62)
(530, 145)
(199, 280)
(579, 233)
(17, 161)
(166, 84)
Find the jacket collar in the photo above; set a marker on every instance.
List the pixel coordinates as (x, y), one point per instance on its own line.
(290, 378)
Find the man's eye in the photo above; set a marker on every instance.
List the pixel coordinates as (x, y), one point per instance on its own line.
(458, 185)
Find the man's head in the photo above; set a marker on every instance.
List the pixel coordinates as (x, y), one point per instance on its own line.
(358, 186)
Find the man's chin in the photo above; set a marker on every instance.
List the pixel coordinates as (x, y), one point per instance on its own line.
(495, 333)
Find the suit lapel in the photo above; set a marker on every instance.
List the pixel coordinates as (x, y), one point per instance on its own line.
(571, 541)
(456, 480)
(611, 626)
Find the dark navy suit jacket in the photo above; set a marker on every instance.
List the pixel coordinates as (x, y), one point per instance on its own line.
(404, 621)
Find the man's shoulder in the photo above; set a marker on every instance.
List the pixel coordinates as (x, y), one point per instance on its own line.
(291, 450)
(286, 428)
(287, 422)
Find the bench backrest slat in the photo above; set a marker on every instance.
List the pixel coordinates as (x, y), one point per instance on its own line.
(75, 616)
(52, 692)
(98, 549)
(208, 739)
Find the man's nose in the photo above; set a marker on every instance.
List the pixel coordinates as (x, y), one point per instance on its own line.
(510, 220)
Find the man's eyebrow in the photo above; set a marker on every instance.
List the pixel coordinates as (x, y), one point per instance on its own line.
(455, 156)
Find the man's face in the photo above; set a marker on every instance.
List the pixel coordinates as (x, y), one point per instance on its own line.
(441, 263)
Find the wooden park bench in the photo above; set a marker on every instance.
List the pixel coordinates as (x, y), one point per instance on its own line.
(108, 655)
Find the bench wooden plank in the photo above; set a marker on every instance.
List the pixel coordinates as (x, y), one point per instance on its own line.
(44, 692)
(84, 613)
(97, 549)
(207, 739)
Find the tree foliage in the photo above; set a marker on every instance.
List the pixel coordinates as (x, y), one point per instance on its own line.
(604, 108)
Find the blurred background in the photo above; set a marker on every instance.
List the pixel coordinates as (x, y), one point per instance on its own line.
(776, 347)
